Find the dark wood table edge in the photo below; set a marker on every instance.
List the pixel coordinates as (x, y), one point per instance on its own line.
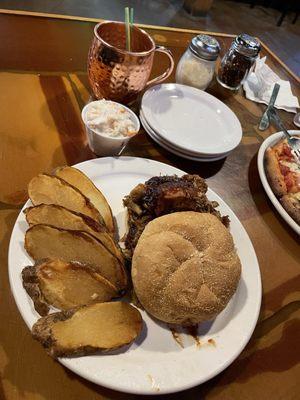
(161, 28)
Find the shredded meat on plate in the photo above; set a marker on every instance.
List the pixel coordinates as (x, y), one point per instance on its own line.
(162, 195)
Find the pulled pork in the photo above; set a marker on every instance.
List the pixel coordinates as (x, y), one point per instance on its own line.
(162, 195)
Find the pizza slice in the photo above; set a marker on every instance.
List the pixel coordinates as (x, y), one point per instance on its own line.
(283, 172)
(291, 203)
(282, 169)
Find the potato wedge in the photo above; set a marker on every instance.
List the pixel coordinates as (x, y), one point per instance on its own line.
(63, 218)
(65, 285)
(47, 242)
(89, 329)
(78, 179)
(31, 285)
(47, 189)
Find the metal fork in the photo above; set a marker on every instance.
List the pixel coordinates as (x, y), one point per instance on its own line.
(294, 142)
(264, 122)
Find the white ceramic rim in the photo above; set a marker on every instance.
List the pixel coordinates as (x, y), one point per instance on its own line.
(270, 141)
(134, 119)
(173, 146)
(200, 93)
(171, 149)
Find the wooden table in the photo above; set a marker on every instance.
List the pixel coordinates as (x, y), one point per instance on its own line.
(43, 88)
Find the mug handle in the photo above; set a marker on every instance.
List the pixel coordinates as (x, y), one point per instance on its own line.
(168, 71)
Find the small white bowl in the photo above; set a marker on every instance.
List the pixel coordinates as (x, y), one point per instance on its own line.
(103, 145)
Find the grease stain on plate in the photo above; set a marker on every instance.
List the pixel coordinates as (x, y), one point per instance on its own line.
(177, 337)
(193, 332)
(181, 335)
(154, 385)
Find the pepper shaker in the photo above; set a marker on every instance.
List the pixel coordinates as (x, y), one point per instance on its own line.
(238, 60)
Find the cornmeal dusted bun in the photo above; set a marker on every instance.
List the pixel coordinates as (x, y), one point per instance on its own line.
(185, 268)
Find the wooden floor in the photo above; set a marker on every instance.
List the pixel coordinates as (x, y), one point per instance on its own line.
(225, 16)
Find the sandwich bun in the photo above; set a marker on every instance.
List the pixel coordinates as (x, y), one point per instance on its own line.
(185, 268)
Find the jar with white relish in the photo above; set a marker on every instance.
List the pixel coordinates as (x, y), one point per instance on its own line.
(197, 65)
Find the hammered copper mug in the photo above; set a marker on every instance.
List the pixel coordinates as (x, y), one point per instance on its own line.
(117, 74)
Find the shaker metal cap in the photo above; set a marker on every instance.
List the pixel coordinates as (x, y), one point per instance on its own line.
(205, 46)
(247, 45)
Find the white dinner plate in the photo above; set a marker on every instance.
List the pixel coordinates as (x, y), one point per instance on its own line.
(168, 145)
(174, 150)
(192, 119)
(155, 363)
(270, 141)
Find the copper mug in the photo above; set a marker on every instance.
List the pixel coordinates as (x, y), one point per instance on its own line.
(117, 74)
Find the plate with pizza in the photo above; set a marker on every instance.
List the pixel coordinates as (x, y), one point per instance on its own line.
(279, 172)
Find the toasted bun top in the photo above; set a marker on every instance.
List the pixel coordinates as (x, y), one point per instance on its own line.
(185, 268)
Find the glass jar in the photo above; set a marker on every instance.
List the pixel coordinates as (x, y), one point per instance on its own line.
(237, 62)
(197, 65)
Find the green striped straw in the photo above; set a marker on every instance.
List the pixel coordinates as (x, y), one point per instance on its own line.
(128, 26)
(127, 29)
(131, 17)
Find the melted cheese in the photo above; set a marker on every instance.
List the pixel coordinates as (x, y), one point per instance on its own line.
(293, 166)
(297, 196)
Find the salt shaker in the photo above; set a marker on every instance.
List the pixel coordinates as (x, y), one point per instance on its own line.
(197, 65)
(238, 60)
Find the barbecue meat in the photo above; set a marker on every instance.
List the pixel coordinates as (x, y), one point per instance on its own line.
(162, 195)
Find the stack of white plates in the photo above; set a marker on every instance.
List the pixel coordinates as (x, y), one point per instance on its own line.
(189, 122)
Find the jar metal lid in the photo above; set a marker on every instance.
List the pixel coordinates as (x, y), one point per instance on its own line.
(246, 45)
(205, 46)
